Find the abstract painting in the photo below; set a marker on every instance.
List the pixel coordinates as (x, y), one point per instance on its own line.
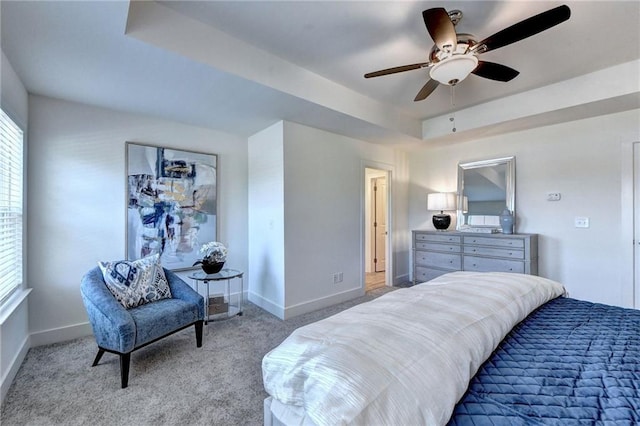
(171, 203)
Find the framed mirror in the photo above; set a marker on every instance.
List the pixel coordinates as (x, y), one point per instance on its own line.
(485, 188)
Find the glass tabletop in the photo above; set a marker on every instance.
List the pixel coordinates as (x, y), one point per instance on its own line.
(224, 274)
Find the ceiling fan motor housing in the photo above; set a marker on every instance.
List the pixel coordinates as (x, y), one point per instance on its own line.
(465, 42)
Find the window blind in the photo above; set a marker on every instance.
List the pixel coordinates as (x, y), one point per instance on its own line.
(11, 176)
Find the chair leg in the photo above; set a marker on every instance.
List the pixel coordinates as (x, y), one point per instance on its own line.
(125, 360)
(198, 326)
(98, 357)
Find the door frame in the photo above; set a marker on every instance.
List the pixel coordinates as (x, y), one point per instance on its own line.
(389, 170)
(630, 275)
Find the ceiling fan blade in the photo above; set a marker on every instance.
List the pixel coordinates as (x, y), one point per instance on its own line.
(440, 28)
(396, 69)
(426, 90)
(523, 29)
(494, 71)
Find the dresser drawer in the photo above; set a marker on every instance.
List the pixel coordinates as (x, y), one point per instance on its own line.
(439, 260)
(495, 252)
(438, 238)
(451, 248)
(483, 264)
(495, 242)
(427, 274)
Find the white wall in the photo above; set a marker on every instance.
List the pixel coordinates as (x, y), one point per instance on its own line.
(15, 100)
(77, 200)
(583, 160)
(14, 316)
(324, 214)
(266, 219)
(306, 216)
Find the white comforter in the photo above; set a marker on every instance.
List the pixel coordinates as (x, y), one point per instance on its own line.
(405, 358)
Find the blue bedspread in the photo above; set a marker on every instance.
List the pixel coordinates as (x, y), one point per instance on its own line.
(569, 363)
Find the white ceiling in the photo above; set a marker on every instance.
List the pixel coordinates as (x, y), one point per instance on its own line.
(79, 51)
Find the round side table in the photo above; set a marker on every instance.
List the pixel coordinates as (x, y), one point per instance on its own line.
(225, 305)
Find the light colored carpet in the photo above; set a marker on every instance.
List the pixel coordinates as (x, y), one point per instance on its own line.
(171, 382)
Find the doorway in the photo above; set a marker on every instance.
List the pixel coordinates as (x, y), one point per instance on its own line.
(376, 232)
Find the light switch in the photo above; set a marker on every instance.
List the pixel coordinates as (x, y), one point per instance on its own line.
(581, 222)
(553, 196)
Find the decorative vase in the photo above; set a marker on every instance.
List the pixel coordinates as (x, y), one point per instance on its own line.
(506, 222)
(209, 267)
(212, 268)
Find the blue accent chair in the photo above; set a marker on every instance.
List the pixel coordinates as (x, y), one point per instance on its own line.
(121, 331)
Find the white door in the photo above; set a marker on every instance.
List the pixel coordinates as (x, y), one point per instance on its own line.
(379, 223)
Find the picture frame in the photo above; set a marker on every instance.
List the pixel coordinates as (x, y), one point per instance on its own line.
(171, 203)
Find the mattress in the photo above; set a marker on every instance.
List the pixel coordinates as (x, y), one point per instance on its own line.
(403, 358)
(570, 362)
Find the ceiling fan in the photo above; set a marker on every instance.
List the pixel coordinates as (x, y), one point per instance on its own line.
(454, 56)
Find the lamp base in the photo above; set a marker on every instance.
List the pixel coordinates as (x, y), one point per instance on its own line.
(441, 221)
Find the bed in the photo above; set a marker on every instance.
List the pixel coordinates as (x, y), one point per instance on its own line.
(464, 348)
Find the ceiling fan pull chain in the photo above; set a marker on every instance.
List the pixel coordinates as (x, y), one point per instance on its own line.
(453, 109)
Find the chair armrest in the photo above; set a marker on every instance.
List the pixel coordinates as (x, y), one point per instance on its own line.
(113, 326)
(183, 291)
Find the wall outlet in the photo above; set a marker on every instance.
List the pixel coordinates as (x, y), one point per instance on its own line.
(337, 277)
(581, 222)
(553, 196)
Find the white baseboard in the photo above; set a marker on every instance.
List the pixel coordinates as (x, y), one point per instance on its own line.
(304, 307)
(61, 334)
(266, 304)
(38, 339)
(15, 364)
(323, 302)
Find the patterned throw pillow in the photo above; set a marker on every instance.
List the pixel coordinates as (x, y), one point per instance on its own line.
(134, 283)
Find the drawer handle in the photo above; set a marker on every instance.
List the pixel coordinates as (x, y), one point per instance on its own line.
(474, 250)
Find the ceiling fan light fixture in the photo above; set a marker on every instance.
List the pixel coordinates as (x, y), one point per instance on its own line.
(452, 70)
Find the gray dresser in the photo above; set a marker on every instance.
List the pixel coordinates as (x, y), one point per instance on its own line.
(436, 253)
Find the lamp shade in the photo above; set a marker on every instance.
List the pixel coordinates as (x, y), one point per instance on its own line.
(441, 201)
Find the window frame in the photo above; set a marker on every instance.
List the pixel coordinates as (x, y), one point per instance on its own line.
(12, 205)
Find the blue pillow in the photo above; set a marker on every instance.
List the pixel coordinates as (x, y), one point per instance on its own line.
(134, 283)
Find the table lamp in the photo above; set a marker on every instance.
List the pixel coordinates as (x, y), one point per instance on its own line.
(443, 201)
